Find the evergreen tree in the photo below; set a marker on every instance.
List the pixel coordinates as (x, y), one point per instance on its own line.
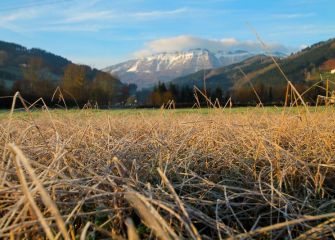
(218, 94)
(3, 57)
(161, 87)
(186, 95)
(2, 88)
(270, 97)
(174, 91)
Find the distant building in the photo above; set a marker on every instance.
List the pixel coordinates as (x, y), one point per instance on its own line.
(332, 71)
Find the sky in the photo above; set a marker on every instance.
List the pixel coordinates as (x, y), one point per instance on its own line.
(100, 33)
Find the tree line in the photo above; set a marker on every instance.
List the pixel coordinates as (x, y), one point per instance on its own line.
(184, 96)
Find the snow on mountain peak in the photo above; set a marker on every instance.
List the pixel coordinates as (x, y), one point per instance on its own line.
(165, 66)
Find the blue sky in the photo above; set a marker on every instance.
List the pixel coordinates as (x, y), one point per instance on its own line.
(103, 32)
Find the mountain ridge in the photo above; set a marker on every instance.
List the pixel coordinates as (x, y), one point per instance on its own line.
(163, 67)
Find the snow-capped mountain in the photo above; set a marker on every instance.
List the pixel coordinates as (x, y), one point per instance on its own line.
(163, 67)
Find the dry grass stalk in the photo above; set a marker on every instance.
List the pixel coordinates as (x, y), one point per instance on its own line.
(20, 162)
(131, 230)
(150, 216)
(249, 173)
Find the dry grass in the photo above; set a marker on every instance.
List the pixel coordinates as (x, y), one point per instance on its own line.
(257, 174)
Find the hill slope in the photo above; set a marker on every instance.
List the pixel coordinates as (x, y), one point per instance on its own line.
(15, 58)
(303, 67)
(37, 73)
(224, 77)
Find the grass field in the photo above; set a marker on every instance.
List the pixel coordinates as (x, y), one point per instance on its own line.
(240, 173)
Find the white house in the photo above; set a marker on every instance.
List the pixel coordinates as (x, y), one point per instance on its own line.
(332, 71)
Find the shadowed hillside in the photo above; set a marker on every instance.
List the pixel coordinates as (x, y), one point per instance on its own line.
(36, 73)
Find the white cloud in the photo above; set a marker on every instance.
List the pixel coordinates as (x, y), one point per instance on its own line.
(93, 20)
(67, 28)
(159, 14)
(184, 42)
(83, 16)
(9, 21)
(291, 15)
(18, 15)
(89, 16)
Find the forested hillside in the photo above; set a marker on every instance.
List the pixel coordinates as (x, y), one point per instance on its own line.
(36, 73)
(303, 69)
